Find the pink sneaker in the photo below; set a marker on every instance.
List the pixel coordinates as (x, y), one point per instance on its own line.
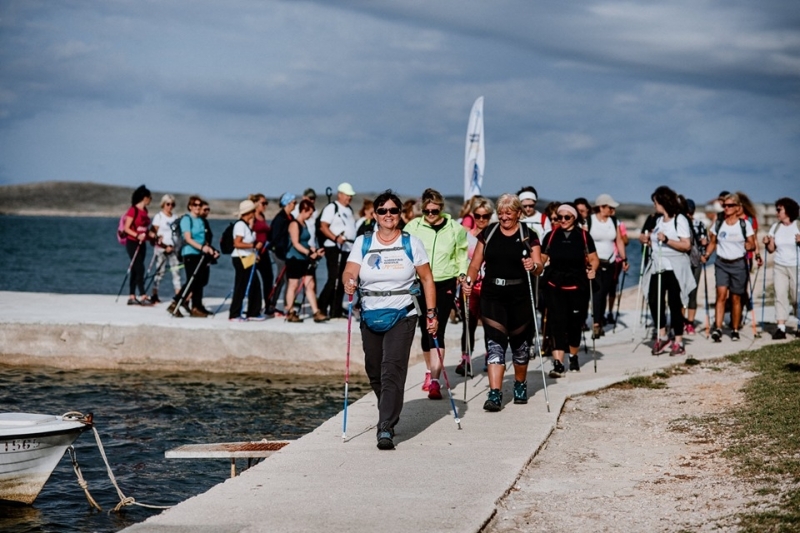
(689, 329)
(434, 392)
(426, 385)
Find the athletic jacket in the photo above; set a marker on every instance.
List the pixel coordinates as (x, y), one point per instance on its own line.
(446, 248)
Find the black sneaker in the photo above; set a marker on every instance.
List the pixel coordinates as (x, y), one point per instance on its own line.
(464, 366)
(558, 369)
(716, 335)
(494, 401)
(385, 441)
(520, 392)
(574, 365)
(734, 335)
(779, 335)
(610, 319)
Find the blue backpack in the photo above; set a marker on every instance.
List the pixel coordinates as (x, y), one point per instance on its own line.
(405, 239)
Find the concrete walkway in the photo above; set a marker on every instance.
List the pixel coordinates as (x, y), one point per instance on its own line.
(438, 479)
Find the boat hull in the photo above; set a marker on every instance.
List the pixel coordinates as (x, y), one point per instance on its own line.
(28, 455)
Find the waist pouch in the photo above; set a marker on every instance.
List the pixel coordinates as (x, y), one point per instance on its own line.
(382, 320)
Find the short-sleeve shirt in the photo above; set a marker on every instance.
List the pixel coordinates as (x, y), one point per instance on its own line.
(503, 256)
(387, 267)
(164, 225)
(342, 221)
(730, 241)
(241, 229)
(539, 223)
(141, 221)
(674, 229)
(785, 244)
(197, 228)
(567, 252)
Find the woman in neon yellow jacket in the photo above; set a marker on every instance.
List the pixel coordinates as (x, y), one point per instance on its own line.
(445, 242)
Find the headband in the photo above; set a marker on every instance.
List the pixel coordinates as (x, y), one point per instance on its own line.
(568, 208)
(527, 195)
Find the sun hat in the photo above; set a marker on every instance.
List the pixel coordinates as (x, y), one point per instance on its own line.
(246, 206)
(606, 199)
(287, 198)
(346, 188)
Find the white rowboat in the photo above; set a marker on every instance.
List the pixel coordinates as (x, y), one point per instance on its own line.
(31, 445)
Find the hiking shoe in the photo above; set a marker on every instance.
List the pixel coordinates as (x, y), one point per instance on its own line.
(734, 335)
(464, 367)
(385, 441)
(154, 298)
(558, 369)
(689, 329)
(319, 316)
(779, 335)
(197, 313)
(610, 319)
(574, 365)
(426, 385)
(659, 346)
(520, 391)
(133, 301)
(293, 317)
(435, 390)
(145, 300)
(677, 349)
(494, 401)
(716, 335)
(257, 318)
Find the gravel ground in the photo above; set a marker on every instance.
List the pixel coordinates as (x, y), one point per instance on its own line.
(635, 460)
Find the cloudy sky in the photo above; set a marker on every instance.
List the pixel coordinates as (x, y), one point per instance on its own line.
(227, 98)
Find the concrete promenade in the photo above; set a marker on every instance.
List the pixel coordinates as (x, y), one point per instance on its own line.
(439, 478)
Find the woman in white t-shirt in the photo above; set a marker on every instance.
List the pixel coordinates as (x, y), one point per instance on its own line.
(245, 253)
(384, 274)
(165, 249)
(783, 240)
(669, 274)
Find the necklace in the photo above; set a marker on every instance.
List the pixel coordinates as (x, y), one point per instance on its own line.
(388, 240)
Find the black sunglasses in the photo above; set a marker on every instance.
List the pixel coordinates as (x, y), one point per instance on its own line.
(528, 206)
(431, 211)
(481, 217)
(730, 205)
(564, 217)
(389, 210)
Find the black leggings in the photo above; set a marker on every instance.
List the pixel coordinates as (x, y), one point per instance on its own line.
(194, 282)
(672, 290)
(445, 300)
(240, 291)
(603, 285)
(137, 265)
(507, 321)
(566, 314)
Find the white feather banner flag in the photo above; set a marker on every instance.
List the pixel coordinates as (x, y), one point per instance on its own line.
(475, 155)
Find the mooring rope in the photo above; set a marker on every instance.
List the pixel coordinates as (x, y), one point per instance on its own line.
(123, 500)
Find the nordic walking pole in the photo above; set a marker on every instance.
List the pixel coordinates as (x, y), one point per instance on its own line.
(756, 334)
(150, 278)
(591, 305)
(223, 302)
(446, 381)
(708, 310)
(128, 272)
(538, 339)
(619, 301)
(276, 289)
(658, 299)
(468, 362)
(347, 364)
(639, 289)
(764, 288)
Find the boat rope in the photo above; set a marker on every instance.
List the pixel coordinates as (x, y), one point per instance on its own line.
(123, 500)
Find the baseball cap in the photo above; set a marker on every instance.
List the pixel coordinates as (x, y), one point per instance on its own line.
(346, 188)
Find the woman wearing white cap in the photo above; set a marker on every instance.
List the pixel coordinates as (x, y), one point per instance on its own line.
(604, 229)
(244, 257)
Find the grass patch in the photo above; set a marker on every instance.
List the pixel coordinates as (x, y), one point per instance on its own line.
(766, 432)
(641, 382)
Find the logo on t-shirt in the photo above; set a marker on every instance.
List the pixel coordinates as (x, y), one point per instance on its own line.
(374, 261)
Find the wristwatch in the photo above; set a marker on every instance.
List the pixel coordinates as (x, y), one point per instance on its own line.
(432, 313)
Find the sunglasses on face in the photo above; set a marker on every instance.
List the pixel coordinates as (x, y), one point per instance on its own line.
(388, 210)
(730, 205)
(170, 203)
(528, 206)
(431, 212)
(564, 217)
(482, 217)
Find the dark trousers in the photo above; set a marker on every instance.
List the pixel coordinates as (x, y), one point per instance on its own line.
(136, 280)
(264, 268)
(196, 278)
(670, 292)
(386, 363)
(240, 291)
(333, 292)
(566, 314)
(603, 285)
(445, 300)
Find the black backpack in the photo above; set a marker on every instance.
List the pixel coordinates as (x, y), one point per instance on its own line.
(226, 240)
(177, 237)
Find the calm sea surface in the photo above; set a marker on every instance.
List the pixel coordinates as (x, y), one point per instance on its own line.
(140, 415)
